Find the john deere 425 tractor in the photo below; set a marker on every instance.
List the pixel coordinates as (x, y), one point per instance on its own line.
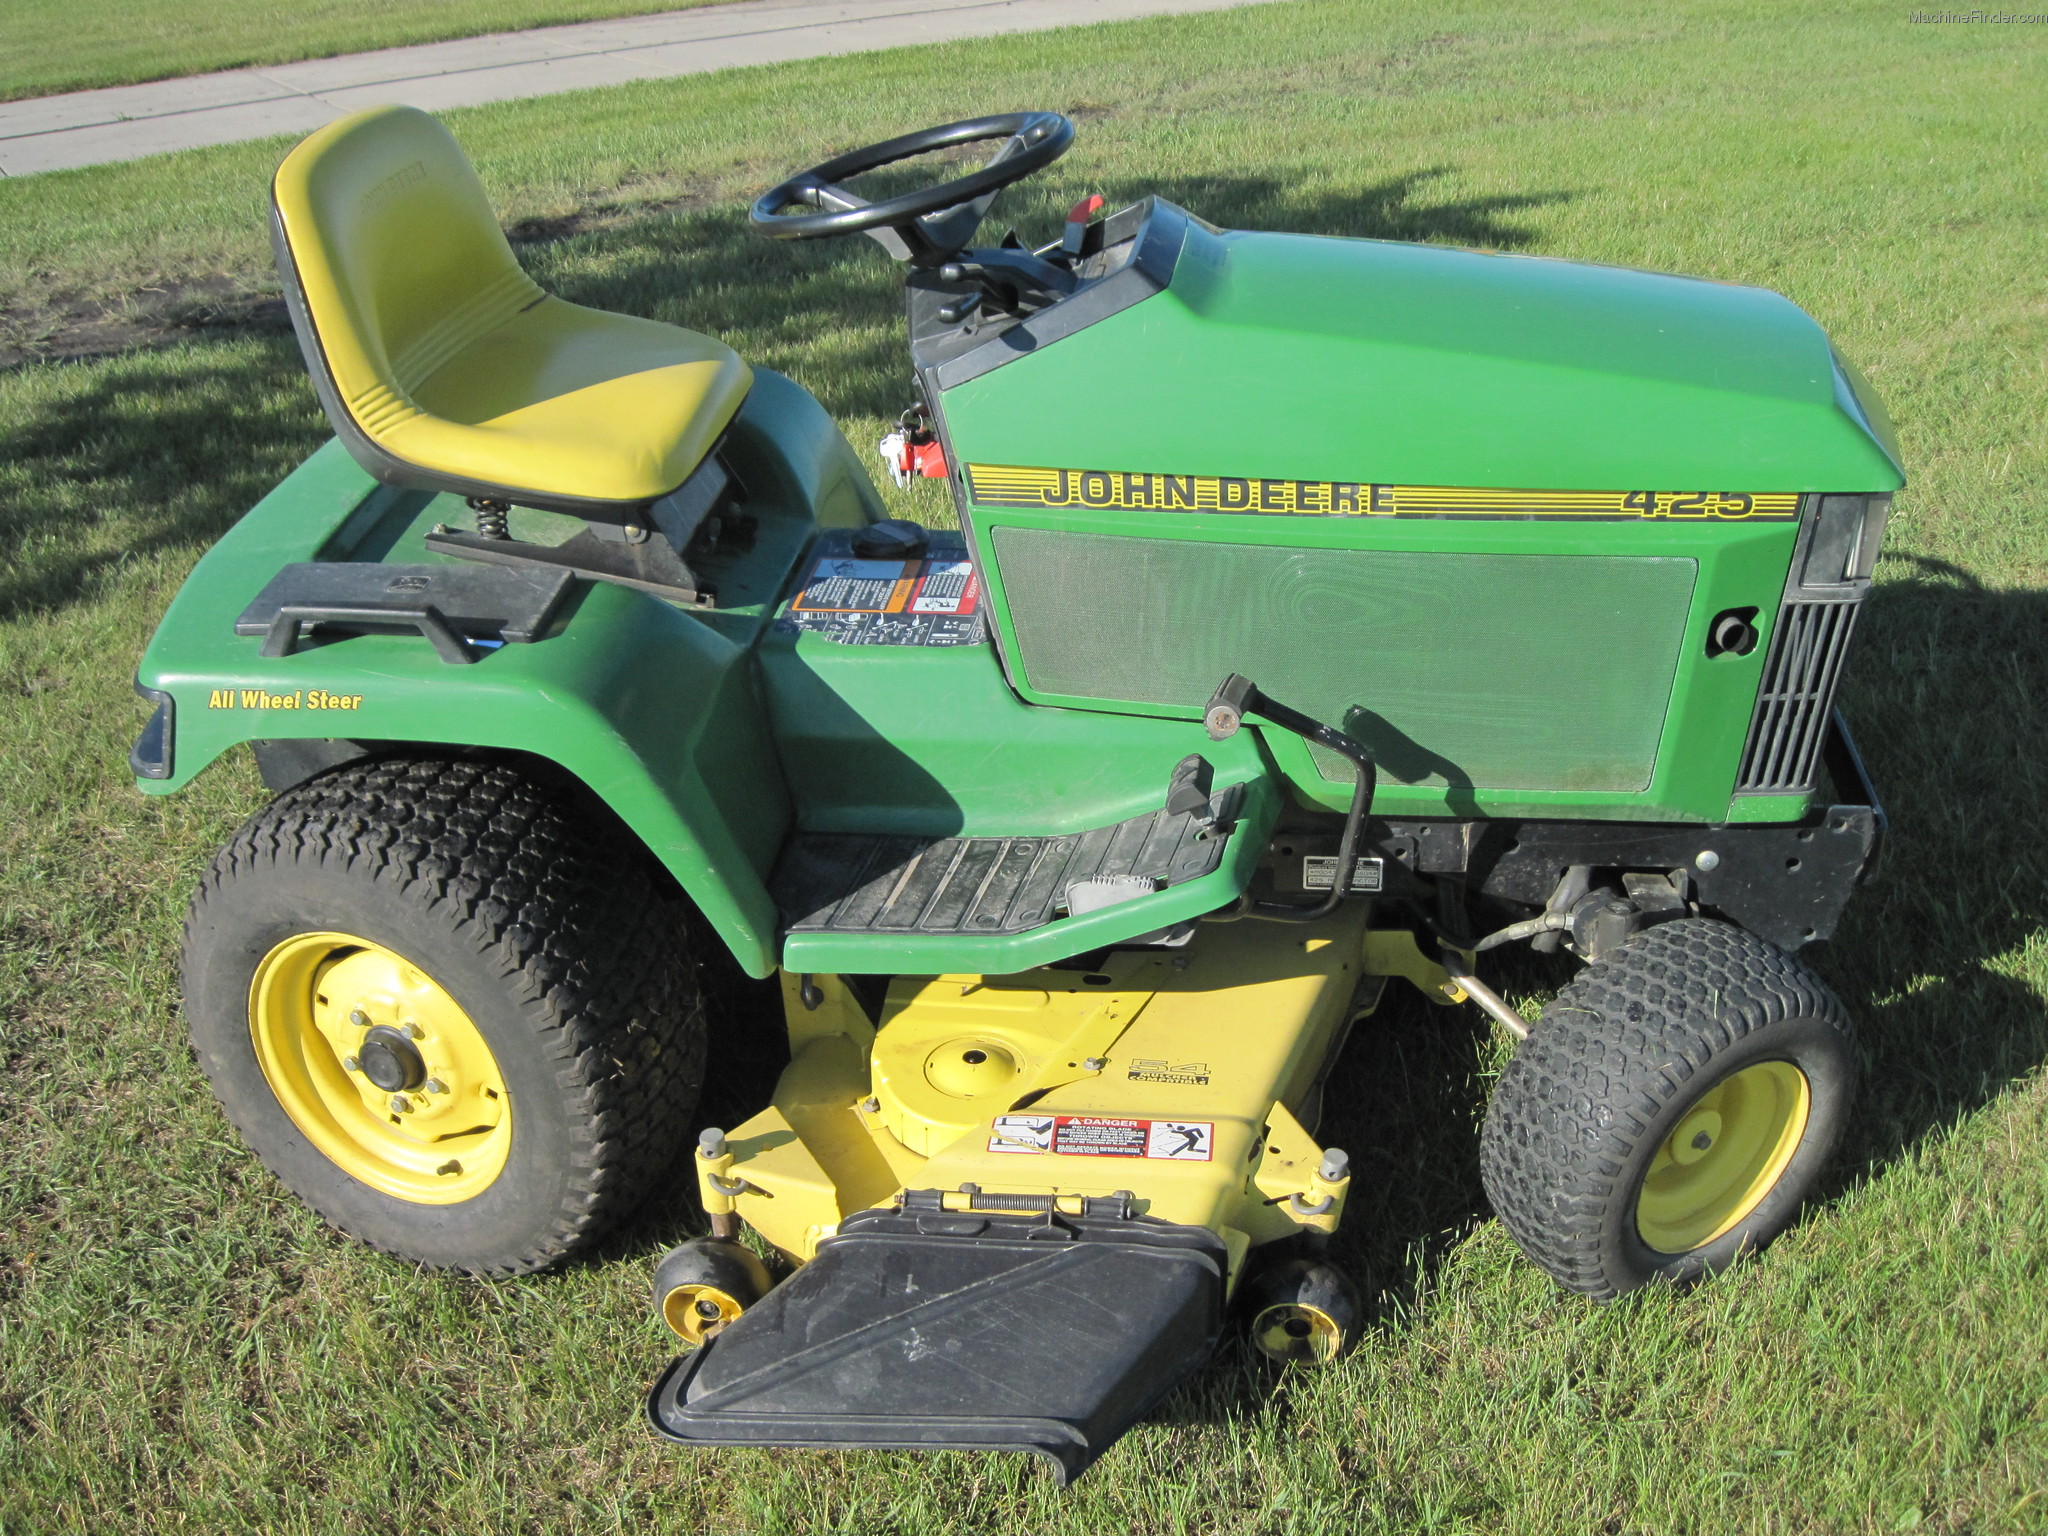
(1322, 612)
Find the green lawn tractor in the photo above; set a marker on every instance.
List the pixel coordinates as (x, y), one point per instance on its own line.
(1321, 611)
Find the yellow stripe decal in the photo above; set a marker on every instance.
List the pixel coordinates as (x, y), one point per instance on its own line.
(1000, 485)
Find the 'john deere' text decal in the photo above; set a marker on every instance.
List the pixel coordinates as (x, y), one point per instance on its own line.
(996, 485)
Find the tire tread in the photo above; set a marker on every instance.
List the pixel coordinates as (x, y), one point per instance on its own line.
(584, 932)
(1624, 1038)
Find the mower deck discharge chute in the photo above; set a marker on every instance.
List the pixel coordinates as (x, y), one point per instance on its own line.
(985, 1332)
(1322, 612)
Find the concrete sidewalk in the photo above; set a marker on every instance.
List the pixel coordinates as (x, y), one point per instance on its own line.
(127, 122)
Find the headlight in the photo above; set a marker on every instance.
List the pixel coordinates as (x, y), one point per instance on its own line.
(1847, 531)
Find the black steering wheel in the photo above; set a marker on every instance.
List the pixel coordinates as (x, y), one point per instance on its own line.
(930, 222)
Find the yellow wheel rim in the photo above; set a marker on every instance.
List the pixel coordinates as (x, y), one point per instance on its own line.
(1296, 1331)
(1725, 1154)
(698, 1312)
(438, 1135)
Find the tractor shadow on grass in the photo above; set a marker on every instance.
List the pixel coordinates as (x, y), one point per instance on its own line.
(132, 456)
(1944, 694)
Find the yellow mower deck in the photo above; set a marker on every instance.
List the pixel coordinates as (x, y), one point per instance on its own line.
(1184, 1077)
(1021, 1203)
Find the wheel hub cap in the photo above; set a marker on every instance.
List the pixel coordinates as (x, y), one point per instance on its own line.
(699, 1312)
(391, 1061)
(1725, 1154)
(1296, 1331)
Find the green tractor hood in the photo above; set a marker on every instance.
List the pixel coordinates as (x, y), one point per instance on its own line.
(1307, 358)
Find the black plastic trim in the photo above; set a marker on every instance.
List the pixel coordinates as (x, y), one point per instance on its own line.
(285, 762)
(960, 1331)
(1811, 638)
(441, 602)
(1786, 882)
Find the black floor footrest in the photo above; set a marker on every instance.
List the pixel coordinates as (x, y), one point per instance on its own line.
(1051, 1335)
(831, 882)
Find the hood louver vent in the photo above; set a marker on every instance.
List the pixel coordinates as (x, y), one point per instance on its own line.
(1782, 755)
(1829, 578)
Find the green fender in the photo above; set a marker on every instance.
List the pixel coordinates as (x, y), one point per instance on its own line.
(655, 709)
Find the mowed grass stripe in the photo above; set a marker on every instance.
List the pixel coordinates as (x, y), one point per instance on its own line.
(183, 1348)
(53, 46)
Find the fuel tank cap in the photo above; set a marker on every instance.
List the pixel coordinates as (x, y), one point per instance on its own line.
(893, 538)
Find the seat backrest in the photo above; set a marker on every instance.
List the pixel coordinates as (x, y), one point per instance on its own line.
(391, 258)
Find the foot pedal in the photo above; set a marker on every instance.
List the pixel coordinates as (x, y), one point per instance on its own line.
(1048, 1334)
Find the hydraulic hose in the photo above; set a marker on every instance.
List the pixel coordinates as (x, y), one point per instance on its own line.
(1238, 697)
(1549, 922)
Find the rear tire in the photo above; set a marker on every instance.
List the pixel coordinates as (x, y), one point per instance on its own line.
(1670, 1111)
(513, 972)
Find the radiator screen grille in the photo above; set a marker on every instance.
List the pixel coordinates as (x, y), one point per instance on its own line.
(1782, 755)
(1526, 672)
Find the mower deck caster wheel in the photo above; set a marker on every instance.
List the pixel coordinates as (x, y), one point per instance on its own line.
(1304, 1311)
(704, 1284)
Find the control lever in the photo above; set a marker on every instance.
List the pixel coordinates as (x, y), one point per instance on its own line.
(1007, 282)
(1239, 696)
(1188, 791)
(1191, 792)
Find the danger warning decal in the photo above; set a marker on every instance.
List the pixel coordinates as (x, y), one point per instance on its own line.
(1185, 1141)
(935, 600)
(995, 485)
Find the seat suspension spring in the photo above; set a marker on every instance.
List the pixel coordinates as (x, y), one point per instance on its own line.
(491, 517)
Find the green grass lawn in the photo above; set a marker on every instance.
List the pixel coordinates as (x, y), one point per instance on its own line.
(183, 1348)
(75, 45)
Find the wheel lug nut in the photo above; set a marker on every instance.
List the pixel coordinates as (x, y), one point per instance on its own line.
(414, 1030)
(435, 1085)
(351, 1064)
(400, 1104)
(360, 1019)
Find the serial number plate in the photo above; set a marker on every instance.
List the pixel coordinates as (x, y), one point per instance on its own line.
(1319, 873)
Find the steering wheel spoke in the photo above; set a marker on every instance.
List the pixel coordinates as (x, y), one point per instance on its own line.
(826, 195)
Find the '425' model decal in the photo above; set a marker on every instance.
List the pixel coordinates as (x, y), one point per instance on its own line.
(999, 485)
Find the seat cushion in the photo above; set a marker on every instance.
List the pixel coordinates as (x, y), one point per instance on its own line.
(450, 367)
(574, 402)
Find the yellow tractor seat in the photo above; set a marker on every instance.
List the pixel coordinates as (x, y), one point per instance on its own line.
(443, 366)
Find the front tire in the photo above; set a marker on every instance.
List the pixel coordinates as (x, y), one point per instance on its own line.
(1670, 1111)
(453, 1015)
